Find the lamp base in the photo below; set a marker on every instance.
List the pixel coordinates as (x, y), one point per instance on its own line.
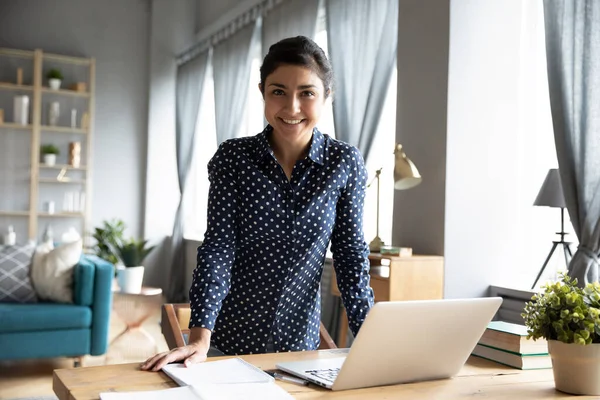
(376, 244)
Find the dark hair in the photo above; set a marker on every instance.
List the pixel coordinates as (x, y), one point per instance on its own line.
(301, 51)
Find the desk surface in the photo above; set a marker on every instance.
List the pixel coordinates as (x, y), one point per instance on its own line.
(478, 379)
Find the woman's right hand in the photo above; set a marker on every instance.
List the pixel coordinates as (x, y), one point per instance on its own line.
(191, 354)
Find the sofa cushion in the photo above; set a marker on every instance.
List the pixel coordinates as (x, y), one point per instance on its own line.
(52, 271)
(43, 316)
(15, 285)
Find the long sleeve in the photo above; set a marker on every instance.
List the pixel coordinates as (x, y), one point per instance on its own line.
(212, 276)
(350, 251)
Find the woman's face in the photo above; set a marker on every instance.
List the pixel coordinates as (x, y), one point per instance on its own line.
(294, 99)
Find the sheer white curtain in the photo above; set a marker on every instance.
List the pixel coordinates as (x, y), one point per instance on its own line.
(232, 61)
(190, 78)
(362, 43)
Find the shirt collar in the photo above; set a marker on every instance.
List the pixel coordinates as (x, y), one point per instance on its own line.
(316, 152)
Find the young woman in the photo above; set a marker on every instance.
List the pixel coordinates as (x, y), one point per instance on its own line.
(276, 200)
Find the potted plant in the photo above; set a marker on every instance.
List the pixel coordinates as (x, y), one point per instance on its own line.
(130, 272)
(568, 317)
(55, 78)
(49, 153)
(108, 237)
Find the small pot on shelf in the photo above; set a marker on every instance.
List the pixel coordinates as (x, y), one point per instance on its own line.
(54, 84)
(54, 77)
(50, 159)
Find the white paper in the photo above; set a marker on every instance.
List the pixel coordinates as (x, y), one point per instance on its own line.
(245, 391)
(233, 370)
(237, 391)
(179, 393)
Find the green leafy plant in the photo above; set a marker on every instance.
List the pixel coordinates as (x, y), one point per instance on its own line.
(565, 312)
(54, 73)
(108, 238)
(50, 149)
(133, 252)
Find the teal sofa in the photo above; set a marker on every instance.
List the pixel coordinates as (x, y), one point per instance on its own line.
(44, 330)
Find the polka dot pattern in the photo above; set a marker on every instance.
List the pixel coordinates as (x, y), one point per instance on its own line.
(259, 268)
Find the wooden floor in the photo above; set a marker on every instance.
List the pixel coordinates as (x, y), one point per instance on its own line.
(34, 377)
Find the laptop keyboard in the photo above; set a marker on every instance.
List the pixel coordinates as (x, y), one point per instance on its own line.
(328, 374)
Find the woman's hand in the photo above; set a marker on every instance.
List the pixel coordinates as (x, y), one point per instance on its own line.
(190, 354)
(193, 353)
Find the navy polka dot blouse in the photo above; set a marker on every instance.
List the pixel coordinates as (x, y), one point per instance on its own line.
(259, 268)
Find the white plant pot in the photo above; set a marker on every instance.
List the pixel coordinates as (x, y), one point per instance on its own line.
(130, 279)
(576, 367)
(50, 159)
(54, 83)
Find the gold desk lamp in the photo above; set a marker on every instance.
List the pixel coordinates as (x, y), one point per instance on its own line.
(406, 176)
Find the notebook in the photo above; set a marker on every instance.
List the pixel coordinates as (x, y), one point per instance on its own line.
(233, 370)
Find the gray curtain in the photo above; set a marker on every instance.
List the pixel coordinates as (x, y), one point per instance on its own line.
(232, 59)
(362, 39)
(290, 18)
(573, 57)
(190, 81)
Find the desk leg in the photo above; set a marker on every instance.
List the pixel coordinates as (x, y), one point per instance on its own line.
(343, 327)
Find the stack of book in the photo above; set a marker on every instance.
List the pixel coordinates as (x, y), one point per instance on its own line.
(507, 343)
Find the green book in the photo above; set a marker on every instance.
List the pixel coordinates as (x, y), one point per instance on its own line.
(521, 361)
(511, 337)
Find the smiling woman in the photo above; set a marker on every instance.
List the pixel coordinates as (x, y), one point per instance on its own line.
(295, 80)
(276, 201)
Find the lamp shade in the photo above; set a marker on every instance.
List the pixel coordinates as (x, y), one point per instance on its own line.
(551, 193)
(406, 174)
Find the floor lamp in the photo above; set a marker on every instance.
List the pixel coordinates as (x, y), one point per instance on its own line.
(406, 176)
(551, 195)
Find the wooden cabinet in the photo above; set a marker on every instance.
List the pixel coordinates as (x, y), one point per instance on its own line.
(420, 277)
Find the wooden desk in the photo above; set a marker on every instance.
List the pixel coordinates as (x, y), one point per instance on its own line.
(418, 277)
(479, 378)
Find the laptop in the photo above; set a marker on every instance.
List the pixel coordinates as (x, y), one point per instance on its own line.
(404, 341)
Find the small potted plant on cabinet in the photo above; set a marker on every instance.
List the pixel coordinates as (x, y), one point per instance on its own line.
(130, 272)
(49, 153)
(55, 78)
(568, 317)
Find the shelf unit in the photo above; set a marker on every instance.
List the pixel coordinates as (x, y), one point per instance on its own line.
(36, 63)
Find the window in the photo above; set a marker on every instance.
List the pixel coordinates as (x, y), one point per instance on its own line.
(383, 144)
(205, 147)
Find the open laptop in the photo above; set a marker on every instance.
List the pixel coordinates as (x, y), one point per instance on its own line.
(404, 341)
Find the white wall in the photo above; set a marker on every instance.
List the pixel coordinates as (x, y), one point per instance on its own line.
(499, 148)
(116, 33)
(212, 15)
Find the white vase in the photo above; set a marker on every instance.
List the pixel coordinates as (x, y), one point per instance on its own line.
(53, 113)
(54, 83)
(576, 367)
(50, 159)
(21, 110)
(130, 278)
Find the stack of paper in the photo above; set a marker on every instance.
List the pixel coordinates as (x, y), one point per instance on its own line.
(228, 379)
(233, 370)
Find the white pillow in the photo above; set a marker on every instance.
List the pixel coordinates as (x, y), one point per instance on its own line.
(52, 271)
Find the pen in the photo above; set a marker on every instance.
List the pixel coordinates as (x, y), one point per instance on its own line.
(290, 379)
